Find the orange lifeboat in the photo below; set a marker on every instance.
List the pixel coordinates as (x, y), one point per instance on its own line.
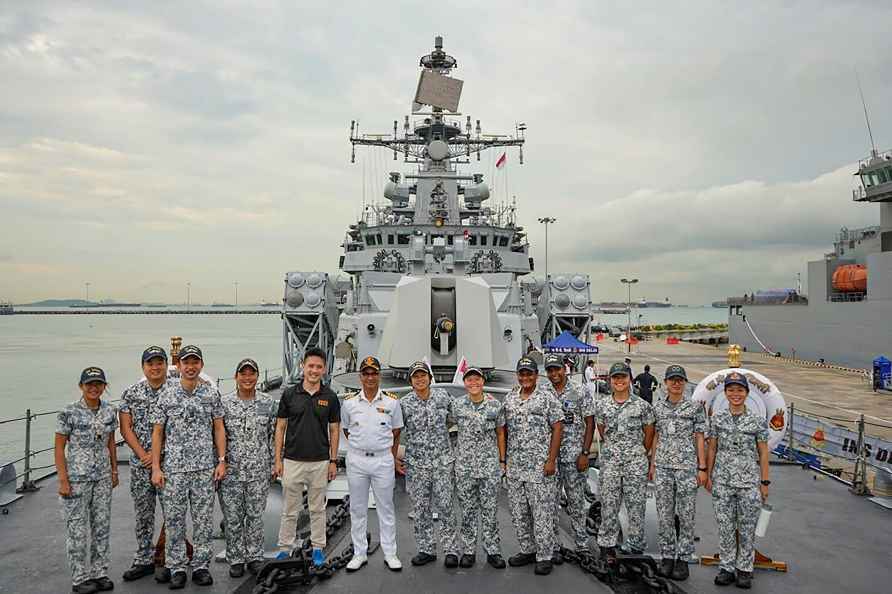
(850, 278)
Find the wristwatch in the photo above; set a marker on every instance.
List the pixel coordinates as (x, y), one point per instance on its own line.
(221, 460)
(766, 482)
(703, 469)
(332, 461)
(503, 461)
(586, 452)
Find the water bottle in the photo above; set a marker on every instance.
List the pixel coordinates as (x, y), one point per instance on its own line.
(764, 518)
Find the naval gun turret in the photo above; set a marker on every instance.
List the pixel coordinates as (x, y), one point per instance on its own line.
(436, 268)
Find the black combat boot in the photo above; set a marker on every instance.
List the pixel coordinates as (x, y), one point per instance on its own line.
(202, 577)
(255, 566)
(521, 559)
(87, 587)
(681, 571)
(236, 570)
(451, 561)
(724, 578)
(496, 561)
(744, 579)
(423, 559)
(542, 567)
(177, 581)
(138, 571)
(467, 561)
(103, 584)
(666, 567)
(556, 557)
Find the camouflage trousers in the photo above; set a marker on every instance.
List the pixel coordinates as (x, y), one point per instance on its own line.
(192, 492)
(479, 502)
(143, 493)
(243, 504)
(87, 515)
(532, 513)
(431, 490)
(736, 511)
(676, 495)
(623, 481)
(573, 483)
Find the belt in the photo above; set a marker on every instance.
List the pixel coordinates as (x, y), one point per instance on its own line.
(367, 453)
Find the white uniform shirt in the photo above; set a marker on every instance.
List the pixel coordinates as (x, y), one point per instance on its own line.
(589, 374)
(371, 424)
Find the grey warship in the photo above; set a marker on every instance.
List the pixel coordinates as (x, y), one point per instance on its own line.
(438, 291)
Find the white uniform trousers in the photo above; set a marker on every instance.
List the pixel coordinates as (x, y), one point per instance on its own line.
(377, 471)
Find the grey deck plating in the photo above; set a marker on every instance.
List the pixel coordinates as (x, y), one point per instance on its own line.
(833, 542)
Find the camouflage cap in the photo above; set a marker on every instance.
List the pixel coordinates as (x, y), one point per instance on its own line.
(473, 371)
(247, 362)
(419, 366)
(619, 369)
(190, 350)
(676, 371)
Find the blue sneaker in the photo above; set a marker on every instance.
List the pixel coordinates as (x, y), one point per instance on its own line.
(283, 555)
(318, 557)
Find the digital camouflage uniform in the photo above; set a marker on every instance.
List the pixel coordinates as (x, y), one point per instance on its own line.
(624, 467)
(188, 461)
(477, 471)
(250, 439)
(138, 401)
(735, 485)
(429, 468)
(576, 405)
(531, 494)
(89, 474)
(675, 474)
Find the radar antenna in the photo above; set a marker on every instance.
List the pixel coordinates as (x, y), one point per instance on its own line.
(873, 146)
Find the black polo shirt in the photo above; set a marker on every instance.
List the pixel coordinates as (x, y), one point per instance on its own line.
(306, 437)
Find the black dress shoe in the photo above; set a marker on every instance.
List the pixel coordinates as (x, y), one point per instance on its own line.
(451, 561)
(236, 570)
(744, 579)
(177, 581)
(103, 584)
(724, 578)
(556, 557)
(423, 559)
(202, 577)
(666, 567)
(542, 568)
(681, 571)
(138, 571)
(87, 587)
(496, 561)
(521, 559)
(254, 566)
(467, 561)
(608, 555)
(162, 575)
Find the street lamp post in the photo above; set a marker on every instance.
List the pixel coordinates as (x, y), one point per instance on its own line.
(629, 283)
(546, 221)
(236, 293)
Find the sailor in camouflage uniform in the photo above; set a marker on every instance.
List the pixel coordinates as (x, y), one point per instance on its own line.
(678, 468)
(249, 418)
(137, 402)
(86, 463)
(188, 429)
(738, 470)
(578, 408)
(626, 425)
(429, 463)
(479, 465)
(534, 417)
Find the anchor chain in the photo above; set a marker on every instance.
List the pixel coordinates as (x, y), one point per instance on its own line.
(627, 569)
(298, 569)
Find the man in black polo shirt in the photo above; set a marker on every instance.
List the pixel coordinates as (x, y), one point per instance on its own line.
(307, 438)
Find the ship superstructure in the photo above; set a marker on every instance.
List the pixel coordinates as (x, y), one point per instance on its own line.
(847, 315)
(435, 271)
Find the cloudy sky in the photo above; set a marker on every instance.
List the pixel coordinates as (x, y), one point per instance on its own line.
(706, 150)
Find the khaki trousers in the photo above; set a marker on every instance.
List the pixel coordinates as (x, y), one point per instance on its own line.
(313, 475)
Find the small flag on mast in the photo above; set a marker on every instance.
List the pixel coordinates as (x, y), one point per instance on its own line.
(460, 371)
(502, 160)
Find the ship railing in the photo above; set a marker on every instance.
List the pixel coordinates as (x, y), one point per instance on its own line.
(886, 155)
(34, 461)
(848, 297)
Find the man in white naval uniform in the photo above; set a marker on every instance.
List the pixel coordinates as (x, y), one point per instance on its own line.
(372, 420)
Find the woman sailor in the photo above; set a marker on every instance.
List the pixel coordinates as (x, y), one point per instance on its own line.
(737, 462)
(86, 463)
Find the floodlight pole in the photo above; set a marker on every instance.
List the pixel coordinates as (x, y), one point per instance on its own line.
(629, 283)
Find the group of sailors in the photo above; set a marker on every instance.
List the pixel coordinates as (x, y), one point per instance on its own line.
(188, 442)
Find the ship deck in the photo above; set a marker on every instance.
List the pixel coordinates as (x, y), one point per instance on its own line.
(833, 542)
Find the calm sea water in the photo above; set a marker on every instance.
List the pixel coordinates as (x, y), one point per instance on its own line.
(41, 356)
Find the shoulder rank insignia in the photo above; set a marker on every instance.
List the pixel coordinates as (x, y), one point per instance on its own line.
(391, 395)
(350, 395)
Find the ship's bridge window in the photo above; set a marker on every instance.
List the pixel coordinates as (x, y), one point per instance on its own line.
(390, 239)
(472, 240)
(484, 239)
(378, 237)
(503, 241)
(448, 240)
(370, 240)
(402, 239)
(881, 175)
